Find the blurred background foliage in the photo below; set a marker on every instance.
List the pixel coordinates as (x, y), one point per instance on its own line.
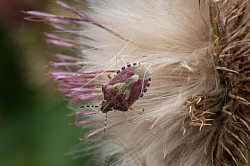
(34, 128)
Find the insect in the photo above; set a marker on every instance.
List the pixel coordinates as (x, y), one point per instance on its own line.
(122, 91)
(125, 88)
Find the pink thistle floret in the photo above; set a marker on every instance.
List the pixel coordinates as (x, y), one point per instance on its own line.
(72, 86)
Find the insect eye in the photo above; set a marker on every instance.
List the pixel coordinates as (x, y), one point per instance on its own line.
(129, 65)
(134, 64)
(123, 68)
(145, 90)
(118, 71)
(148, 84)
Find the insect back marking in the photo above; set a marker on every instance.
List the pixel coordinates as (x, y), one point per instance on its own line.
(125, 88)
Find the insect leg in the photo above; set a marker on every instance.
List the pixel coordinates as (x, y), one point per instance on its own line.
(136, 110)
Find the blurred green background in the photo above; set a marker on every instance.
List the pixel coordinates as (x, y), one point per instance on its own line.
(34, 128)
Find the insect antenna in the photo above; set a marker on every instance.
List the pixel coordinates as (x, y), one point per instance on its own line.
(95, 106)
(105, 122)
(88, 106)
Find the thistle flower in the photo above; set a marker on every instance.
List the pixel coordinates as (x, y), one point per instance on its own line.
(197, 109)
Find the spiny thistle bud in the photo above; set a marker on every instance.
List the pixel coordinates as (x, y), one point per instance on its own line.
(197, 108)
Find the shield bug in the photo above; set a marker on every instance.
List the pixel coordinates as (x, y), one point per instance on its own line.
(122, 91)
(125, 88)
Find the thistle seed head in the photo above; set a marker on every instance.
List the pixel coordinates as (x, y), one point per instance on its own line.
(197, 111)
